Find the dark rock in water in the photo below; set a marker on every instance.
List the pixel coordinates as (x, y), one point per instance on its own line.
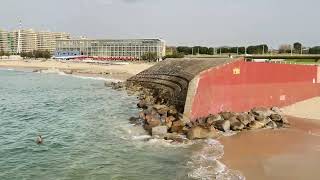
(237, 126)
(36, 70)
(177, 126)
(222, 125)
(68, 71)
(202, 133)
(276, 117)
(115, 85)
(160, 131)
(142, 104)
(174, 136)
(227, 115)
(136, 121)
(151, 121)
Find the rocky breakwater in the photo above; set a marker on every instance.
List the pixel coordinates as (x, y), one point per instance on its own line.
(164, 121)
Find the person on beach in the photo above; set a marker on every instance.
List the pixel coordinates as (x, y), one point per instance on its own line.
(39, 140)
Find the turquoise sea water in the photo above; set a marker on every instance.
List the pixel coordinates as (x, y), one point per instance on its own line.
(85, 129)
(87, 135)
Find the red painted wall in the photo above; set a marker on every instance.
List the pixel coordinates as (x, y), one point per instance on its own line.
(240, 86)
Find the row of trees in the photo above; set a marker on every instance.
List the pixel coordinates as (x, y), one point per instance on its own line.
(259, 49)
(296, 48)
(314, 50)
(36, 54)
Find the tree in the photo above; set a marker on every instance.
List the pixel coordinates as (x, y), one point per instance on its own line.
(46, 54)
(285, 48)
(297, 47)
(149, 56)
(259, 49)
(184, 49)
(314, 50)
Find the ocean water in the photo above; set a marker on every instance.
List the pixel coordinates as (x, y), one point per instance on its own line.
(87, 135)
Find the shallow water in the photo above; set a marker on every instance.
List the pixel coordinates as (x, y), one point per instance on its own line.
(86, 133)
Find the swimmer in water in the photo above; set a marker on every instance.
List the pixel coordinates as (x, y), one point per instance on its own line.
(39, 140)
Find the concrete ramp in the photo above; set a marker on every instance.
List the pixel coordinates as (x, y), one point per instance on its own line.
(172, 77)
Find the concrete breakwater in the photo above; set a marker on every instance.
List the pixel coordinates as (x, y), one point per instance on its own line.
(199, 87)
(170, 79)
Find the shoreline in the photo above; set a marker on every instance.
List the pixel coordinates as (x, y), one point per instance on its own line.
(291, 153)
(114, 71)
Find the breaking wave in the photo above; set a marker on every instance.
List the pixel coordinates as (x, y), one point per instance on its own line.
(205, 164)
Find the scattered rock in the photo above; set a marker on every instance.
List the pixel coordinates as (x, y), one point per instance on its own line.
(202, 133)
(277, 110)
(68, 71)
(142, 104)
(172, 111)
(174, 136)
(261, 111)
(177, 126)
(222, 125)
(115, 85)
(161, 109)
(272, 125)
(255, 125)
(285, 121)
(237, 126)
(135, 121)
(213, 118)
(245, 118)
(276, 117)
(227, 115)
(169, 121)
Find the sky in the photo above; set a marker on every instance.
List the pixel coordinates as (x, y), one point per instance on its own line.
(179, 22)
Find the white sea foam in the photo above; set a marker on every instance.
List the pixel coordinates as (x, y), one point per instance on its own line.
(205, 164)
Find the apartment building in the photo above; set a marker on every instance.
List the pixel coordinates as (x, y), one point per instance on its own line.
(120, 48)
(27, 40)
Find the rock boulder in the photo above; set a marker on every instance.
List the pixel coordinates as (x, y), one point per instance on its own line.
(202, 133)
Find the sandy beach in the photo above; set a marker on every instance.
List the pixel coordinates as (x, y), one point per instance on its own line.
(118, 71)
(282, 154)
(285, 154)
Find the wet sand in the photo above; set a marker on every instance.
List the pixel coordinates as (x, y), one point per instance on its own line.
(282, 154)
(111, 70)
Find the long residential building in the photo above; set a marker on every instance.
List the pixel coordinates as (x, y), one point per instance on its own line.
(111, 48)
(27, 40)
